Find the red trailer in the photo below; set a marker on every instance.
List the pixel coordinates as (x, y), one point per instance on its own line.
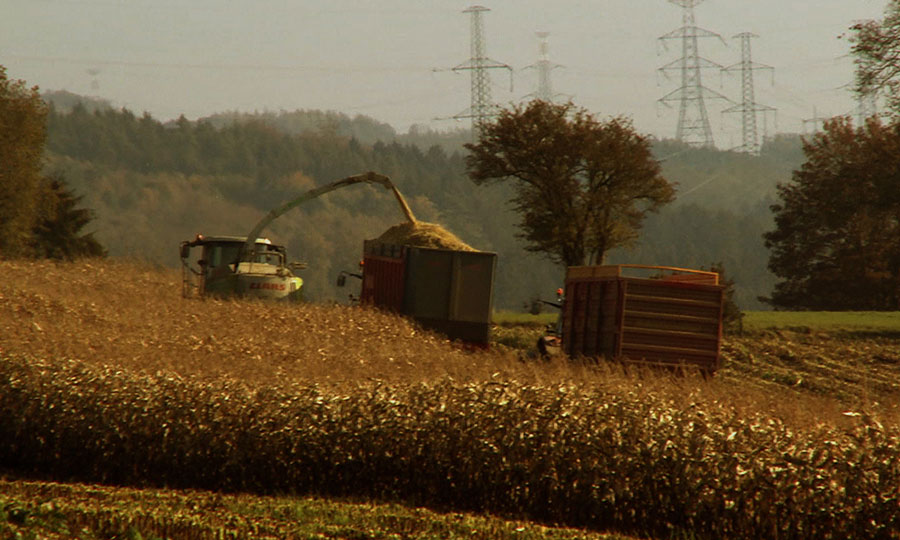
(653, 315)
(444, 290)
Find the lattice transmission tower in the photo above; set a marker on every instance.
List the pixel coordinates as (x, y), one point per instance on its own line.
(544, 66)
(748, 107)
(817, 122)
(482, 107)
(866, 107)
(693, 120)
(95, 84)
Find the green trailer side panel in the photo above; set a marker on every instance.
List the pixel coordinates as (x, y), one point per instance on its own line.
(444, 290)
(428, 283)
(471, 293)
(449, 285)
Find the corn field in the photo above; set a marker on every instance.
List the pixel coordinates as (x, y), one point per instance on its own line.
(341, 402)
(556, 454)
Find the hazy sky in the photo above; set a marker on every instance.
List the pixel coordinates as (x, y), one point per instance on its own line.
(390, 59)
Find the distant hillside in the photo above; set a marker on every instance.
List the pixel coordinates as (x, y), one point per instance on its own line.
(450, 140)
(64, 101)
(729, 180)
(153, 185)
(721, 212)
(304, 122)
(364, 129)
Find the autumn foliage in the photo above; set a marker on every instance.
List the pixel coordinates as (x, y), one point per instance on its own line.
(38, 214)
(582, 185)
(876, 46)
(836, 244)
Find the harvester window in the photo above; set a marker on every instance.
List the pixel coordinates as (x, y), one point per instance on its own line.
(226, 254)
(271, 257)
(220, 255)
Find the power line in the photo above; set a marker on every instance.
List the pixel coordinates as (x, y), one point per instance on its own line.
(482, 107)
(816, 122)
(213, 66)
(866, 107)
(693, 120)
(544, 66)
(748, 106)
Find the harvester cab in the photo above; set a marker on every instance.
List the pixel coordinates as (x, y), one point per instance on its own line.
(220, 270)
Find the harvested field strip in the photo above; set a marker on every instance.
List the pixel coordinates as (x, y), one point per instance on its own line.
(65, 511)
(874, 322)
(132, 316)
(551, 453)
(857, 372)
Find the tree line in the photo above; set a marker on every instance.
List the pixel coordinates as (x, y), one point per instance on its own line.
(193, 177)
(151, 184)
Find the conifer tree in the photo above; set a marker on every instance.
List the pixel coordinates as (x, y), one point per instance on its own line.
(58, 231)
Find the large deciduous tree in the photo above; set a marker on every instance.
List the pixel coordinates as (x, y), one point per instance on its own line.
(582, 186)
(38, 217)
(876, 45)
(836, 244)
(22, 133)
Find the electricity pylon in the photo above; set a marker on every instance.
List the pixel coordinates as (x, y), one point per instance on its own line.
(866, 107)
(543, 66)
(693, 120)
(748, 106)
(482, 107)
(93, 72)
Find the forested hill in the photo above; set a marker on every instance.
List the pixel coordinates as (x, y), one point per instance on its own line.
(153, 184)
(721, 211)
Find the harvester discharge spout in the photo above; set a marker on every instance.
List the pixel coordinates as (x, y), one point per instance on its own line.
(248, 250)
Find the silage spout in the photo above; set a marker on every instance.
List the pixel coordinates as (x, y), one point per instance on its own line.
(403, 206)
(248, 249)
(386, 182)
